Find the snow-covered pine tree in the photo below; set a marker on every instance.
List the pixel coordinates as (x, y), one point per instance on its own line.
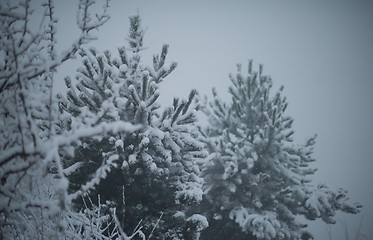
(256, 180)
(155, 175)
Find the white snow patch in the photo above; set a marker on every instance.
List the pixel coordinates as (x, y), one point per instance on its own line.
(69, 170)
(199, 220)
(119, 143)
(123, 68)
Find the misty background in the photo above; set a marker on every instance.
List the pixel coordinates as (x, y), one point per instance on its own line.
(321, 51)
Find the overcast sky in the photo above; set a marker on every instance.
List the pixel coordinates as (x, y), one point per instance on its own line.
(321, 51)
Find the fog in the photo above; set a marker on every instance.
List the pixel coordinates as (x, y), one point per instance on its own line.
(320, 51)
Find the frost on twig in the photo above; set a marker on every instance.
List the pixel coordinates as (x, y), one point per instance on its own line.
(34, 197)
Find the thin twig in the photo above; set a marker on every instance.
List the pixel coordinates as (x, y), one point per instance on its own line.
(155, 226)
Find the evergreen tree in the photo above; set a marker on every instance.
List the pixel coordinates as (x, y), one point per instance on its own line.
(256, 180)
(154, 176)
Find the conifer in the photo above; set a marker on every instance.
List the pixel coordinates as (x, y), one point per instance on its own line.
(256, 180)
(154, 177)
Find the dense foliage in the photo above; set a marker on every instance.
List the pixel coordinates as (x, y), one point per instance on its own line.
(156, 176)
(256, 179)
(104, 159)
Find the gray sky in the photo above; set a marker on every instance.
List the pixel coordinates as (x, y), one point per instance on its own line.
(321, 51)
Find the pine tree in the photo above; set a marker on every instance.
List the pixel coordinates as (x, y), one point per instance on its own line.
(256, 180)
(154, 176)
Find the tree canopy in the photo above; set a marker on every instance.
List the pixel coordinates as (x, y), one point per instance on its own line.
(105, 161)
(255, 176)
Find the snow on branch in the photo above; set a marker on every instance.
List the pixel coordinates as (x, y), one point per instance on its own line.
(35, 201)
